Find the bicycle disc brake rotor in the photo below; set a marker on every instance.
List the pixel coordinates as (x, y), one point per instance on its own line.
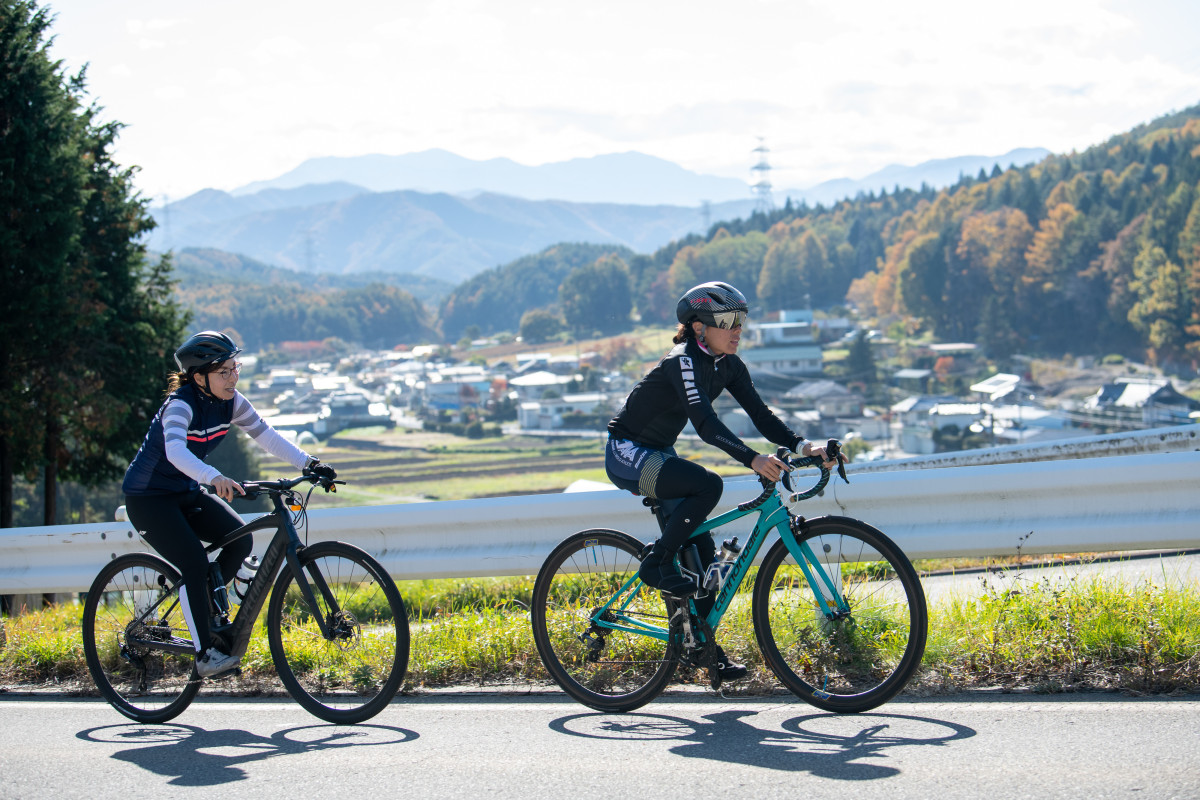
(344, 629)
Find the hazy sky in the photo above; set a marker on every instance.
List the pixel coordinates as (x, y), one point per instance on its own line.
(221, 93)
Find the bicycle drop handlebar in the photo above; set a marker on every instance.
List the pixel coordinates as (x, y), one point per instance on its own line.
(833, 449)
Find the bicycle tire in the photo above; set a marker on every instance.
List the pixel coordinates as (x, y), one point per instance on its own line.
(626, 670)
(855, 663)
(146, 685)
(354, 675)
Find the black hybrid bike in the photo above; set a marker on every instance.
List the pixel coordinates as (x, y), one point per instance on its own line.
(336, 624)
(838, 610)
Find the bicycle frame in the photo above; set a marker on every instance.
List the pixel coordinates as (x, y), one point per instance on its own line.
(772, 515)
(285, 547)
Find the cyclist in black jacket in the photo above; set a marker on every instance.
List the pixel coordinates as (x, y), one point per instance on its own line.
(640, 456)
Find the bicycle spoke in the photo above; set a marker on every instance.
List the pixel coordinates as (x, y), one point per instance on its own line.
(353, 673)
(122, 620)
(602, 667)
(861, 655)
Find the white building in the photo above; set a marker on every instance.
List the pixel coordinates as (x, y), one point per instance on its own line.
(551, 414)
(787, 347)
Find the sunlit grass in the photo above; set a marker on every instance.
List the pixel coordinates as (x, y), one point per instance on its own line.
(1093, 632)
(1087, 633)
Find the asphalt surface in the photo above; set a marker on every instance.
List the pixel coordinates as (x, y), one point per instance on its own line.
(977, 745)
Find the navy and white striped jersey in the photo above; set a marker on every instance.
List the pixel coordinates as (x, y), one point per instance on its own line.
(188, 427)
(682, 387)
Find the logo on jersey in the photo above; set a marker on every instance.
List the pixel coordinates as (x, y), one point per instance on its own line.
(689, 380)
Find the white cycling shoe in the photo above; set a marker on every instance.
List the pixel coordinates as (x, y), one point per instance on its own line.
(214, 662)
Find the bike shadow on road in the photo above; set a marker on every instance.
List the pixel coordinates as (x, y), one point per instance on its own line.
(192, 756)
(825, 745)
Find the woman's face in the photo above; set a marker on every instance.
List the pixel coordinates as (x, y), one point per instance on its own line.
(222, 381)
(720, 341)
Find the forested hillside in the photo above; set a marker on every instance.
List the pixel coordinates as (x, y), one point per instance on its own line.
(495, 300)
(1091, 252)
(266, 305)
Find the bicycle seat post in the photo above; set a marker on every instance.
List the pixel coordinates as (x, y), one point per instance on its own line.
(656, 508)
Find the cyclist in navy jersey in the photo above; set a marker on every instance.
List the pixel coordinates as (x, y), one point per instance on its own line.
(641, 458)
(163, 494)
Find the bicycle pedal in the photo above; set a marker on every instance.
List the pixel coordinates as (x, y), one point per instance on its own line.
(714, 678)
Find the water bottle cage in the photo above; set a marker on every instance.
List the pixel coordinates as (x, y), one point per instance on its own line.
(716, 575)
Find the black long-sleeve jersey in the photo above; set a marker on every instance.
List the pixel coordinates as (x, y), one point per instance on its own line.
(682, 387)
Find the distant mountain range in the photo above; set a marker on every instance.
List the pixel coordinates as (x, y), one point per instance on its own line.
(341, 228)
(614, 178)
(938, 173)
(440, 215)
(624, 178)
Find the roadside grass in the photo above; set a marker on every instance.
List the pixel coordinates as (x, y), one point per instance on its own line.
(1085, 634)
(1090, 633)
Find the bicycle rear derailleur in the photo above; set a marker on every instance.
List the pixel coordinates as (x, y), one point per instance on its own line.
(593, 637)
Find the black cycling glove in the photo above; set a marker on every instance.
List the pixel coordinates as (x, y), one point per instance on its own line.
(325, 471)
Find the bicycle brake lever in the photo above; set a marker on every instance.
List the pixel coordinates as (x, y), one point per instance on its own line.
(783, 454)
(833, 449)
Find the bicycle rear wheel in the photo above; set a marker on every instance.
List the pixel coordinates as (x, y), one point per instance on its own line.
(355, 672)
(603, 668)
(857, 660)
(131, 604)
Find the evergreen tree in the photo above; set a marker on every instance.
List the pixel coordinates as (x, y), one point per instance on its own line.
(88, 326)
(860, 361)
(1162, 309)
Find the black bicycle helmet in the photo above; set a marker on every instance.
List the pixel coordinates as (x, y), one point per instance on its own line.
(204, 348)
(715, 303)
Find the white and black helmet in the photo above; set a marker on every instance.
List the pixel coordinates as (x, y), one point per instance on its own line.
(716, 304)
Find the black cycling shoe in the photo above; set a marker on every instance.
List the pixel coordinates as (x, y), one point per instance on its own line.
(659, 570)
(727, 668)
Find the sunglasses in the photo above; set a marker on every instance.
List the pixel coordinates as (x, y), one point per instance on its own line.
(728, 320)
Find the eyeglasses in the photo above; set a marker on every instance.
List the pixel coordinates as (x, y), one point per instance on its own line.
(228, 372)
(728, 320)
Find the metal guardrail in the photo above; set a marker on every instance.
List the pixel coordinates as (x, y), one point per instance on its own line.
(1134, 494)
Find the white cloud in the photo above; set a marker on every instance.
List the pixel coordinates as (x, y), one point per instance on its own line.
(838, 89)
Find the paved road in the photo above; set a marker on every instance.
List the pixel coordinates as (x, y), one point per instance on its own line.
(968, 746)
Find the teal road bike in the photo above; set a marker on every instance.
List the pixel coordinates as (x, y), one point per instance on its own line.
(838, 610)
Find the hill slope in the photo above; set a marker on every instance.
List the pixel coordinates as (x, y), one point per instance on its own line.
(438, 235)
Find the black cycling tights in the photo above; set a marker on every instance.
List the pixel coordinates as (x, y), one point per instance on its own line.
(699, 490)
(175, 525)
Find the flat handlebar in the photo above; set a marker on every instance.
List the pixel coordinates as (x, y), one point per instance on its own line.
(255, 488)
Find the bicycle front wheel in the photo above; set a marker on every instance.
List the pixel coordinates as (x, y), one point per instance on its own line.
(350, 673)
(605, 668)
(132, 605)
(855, 659)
